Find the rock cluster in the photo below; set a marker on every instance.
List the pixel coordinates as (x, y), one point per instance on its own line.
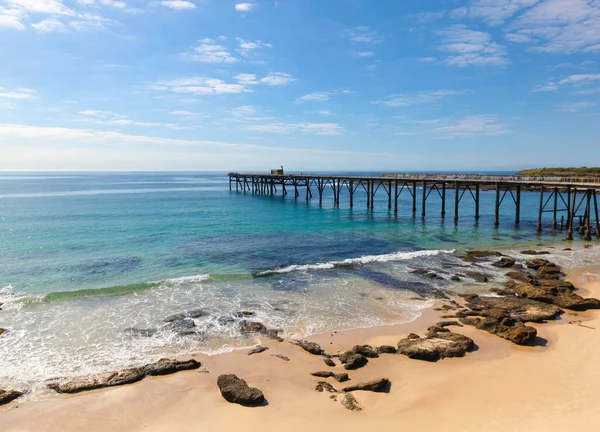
(438, 343)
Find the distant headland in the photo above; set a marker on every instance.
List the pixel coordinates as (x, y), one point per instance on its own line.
(560, 172)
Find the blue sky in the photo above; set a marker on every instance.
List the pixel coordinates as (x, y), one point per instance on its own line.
(308, 84)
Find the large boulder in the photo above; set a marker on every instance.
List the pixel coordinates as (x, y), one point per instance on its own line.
(7, 396)
(236, 390)
(380, 385)
(438, 344)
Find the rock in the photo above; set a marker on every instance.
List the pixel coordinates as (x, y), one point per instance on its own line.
(419, 271)
(325, 386)
(197, 313)
(386, 349)
(252, 327)
(547, 272)
(557, 284)
(537, 263)
(282, 357)
(329, 362)
(474, 256)
(7, 396)
(559, 296)
(170, 366)
(478, 277)
(110, 379)
(341, 377)
(141, 332)
(365, 350)
(448, 324)
(2, 331)
(352, 360)
(518, 308)
(259, 349)
(435, 346)
(455, 278)
(349, 402)
(505, 327)
(243, 314)
(236, 390)
(521, 277)
(323, 374)
(505, 262)
(310, 347)
(532, 252)
(380, 385)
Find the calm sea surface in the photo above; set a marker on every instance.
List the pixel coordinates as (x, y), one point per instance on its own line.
(92, 264)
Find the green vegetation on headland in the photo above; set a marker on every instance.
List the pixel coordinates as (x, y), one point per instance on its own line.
(561, 172)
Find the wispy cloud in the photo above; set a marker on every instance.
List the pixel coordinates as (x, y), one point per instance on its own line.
(277, 79)
(472, 126)
(420, 98)
(545, 88)
(306, 128)
(211, 51)
(494, 12)
(363, 34)
(580, 78)
(18, 93)
(468, 47)
(245, 47)
(575, 107)
(321, 96)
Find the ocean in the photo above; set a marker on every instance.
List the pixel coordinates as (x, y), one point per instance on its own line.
(91, 265)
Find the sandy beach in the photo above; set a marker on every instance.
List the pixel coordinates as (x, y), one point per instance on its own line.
(498, 387)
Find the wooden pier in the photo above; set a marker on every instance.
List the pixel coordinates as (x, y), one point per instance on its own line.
(574, 197)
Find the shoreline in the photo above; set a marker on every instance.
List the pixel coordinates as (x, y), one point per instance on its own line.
(512, 384)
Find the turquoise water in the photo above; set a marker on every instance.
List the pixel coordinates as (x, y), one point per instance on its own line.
(85, 257)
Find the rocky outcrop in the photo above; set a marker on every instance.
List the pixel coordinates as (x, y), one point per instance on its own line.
(341, 377)
(251, 327)
(521, 309)
(349, 402)
(478, 277)
(236, 390)
(505, 327)
(7, 396)
(311, 347)
(365, 350)
(380, 385)
(439, 343)
(505, 262)
(126, 376)
(533, 252)
(476, 255)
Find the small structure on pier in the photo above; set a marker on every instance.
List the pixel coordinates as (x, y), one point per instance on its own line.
(576, 197)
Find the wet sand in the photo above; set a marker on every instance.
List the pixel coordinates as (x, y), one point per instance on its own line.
(499, 387)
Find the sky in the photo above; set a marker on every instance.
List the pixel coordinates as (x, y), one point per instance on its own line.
(390, 85)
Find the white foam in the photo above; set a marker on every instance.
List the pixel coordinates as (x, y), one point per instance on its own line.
(366, 259)
(188, 279)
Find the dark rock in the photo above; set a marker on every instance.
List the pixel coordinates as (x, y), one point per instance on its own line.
(419, 271)
(478, 277)
(474, 256)
(349, 402)
(7, 396)
(197, 313)
(379, 385)
(170, 366)
(431, 276)
(559, 296)
(323, 374)
(259, 349)
(341, 377)
(556, 284)
(505, 327)
(244, 314)
(537, 263)
(448, 324)
(365, 350)
(435, 346)
(329, 362)
(141, 332)
(352, 360)
(181, 325)
(520, 276)
(325, 386)
(532, 252)
(310, 347)
(281, 356)
(518, 308)
(455, 278)
(440, 294)
(386, 349)
(505, 262)
(247, 327)
(236, 390)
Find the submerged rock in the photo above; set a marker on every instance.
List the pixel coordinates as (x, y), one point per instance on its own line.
(379, 385)
(236, 390)
(533, 252)
(439, 343)
(196, 313)
(478, 277)
(349, 402)
(505, 262)
(474, 256)
(141, 332)
(310, 347)
(7, 396)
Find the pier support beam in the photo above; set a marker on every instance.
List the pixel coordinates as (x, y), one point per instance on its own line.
(477, 201)
(541, 209)
(588, 230)
(497, 206)
(555, 210)
(572, 215)
(518, 206)
(443, 200)
(351, 193)
(424, 199)
(596, 212)
(389, 191)
(456, 200)
(396, 197)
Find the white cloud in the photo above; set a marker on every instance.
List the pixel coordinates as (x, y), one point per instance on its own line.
(428, 59)
(200, 86)
(114, 119)
(363, 34)
(50, 25)
(417, 98)
(277, 79)
(18, 93)
(471, 48)
(54, 7)
(244, 7)
(574, 107)
(307, 128)
(246, 79)
(560, 26)
(495, 12)
(244, 111)
(209, 51)
(471, 126)
(580, 78)
(178, 4)
(314, 97)
(545, 88)
(10, 22)
(246, 46)
(365, 54)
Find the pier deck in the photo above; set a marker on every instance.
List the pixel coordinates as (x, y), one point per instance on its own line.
(575, 197)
